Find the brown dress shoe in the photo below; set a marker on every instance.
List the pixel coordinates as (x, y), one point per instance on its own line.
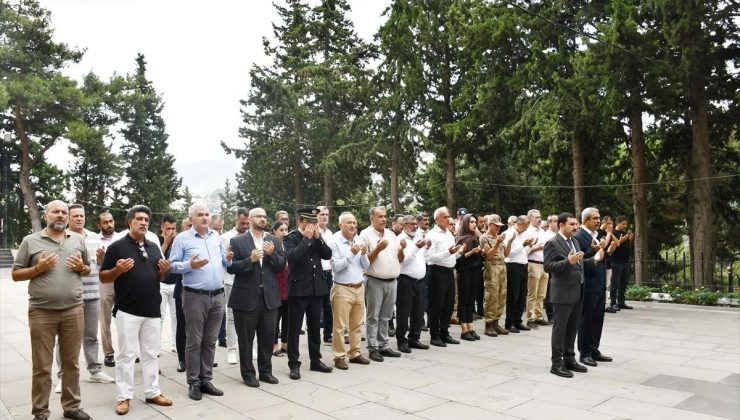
(499, 330)
(122, 407)
(341, 364)
(359, 359)
(160, 400)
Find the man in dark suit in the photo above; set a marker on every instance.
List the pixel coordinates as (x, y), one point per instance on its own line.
(564, 261)
(305, 248)
(594, 298)
(255, 297)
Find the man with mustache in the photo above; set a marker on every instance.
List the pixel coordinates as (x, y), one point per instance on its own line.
(54, 262)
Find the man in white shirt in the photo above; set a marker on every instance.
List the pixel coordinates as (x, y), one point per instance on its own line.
(107, 227)
(516, 275)
(441, 256)
(409, 297)
(385, 255)
(241, 224)
(536, 276)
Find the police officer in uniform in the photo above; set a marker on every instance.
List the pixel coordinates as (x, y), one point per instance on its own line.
(305, 248)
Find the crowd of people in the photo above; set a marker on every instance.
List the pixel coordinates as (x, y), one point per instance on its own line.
(268, 281)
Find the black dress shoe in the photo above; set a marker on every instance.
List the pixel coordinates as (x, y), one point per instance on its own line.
(561, 371)
(424, 328)
(181, 366)
(221, 343)
(251, 381)
(475, 335)
(327, 339)
(601, 358)
(512, 329)
(438, 342)
(76, 413)
(208, 388)
(319, 366)
(267, 377)
(610, 309)
(109, 361)
(295, 373)
(542, 322)
(522, 327)
(588, 361)
(575, 366)
(389, 352)
(375, 356)
(194, 392)
(215, 364)
(625, 306)
(416, 344)
(449, 340)
(467, 336)
(404, 347)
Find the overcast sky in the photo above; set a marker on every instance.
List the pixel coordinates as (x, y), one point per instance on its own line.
(198, 53)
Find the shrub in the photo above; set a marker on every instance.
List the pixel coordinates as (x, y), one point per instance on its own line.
(637, 293)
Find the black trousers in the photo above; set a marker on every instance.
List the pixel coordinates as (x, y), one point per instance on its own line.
(564, 329)
(548, 306)
(328, 317)
(281, 323)
(261, 321)
(424, 290)
(620, 278)
(311, 307)
(180, 315)
(442, 299)
(408, 307)
(516, 293)
(467, 281)
(591, 324)
(479, 293)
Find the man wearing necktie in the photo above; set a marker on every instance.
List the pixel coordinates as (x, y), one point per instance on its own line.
(565, 262)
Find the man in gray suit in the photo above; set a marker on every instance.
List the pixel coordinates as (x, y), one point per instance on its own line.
(564, 261)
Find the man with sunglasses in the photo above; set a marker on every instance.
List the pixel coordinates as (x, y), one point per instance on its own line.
(136, 267)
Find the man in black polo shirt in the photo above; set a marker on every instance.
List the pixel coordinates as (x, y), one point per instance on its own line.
(136, 267)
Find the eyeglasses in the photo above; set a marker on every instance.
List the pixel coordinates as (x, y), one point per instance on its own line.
(143, 252)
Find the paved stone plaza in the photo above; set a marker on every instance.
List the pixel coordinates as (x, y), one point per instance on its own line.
(671, 362)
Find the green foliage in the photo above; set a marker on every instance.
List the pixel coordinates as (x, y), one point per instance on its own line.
(151, 178)
(638, 293)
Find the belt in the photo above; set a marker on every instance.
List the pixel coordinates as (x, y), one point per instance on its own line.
(406, 276)
(495, 262)
(377, 278)
(441, 267)
(204, 292)
(352, 285)
(535, 262)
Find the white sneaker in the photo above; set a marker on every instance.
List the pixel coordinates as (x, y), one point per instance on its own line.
(58, 388)
(231, 357)
(101, 378)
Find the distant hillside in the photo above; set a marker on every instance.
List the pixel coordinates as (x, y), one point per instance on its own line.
(205, 176)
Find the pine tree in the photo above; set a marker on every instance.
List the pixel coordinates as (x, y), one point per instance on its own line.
(41, 103)
(229, 204)
(151, 178)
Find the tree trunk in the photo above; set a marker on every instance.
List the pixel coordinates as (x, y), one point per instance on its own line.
(328, 190)
(395, 163)
(578, 193)
(450, 179)
(298, 183)
(701, 234)
(639, 194)
(29, 198)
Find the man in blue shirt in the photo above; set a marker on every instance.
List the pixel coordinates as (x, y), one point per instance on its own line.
(199, 256)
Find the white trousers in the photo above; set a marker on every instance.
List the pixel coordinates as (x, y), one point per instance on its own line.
(168, 302)
(137, 335)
